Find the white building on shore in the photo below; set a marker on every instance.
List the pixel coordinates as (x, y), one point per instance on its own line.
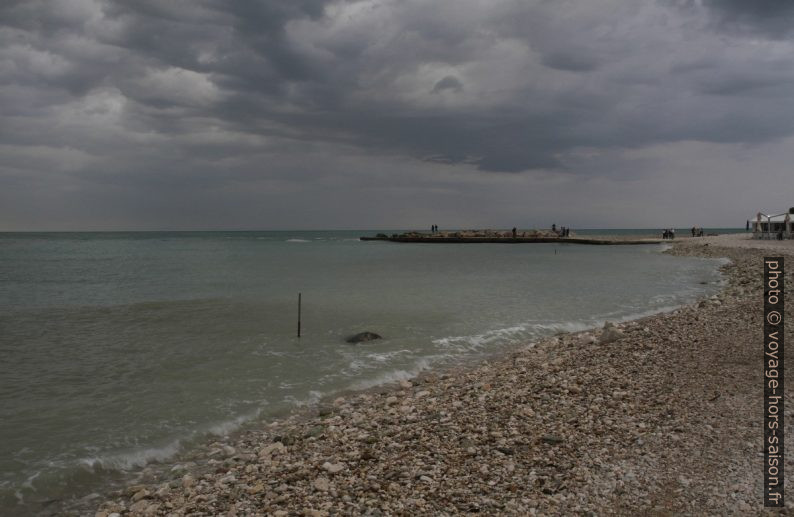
(777, 226)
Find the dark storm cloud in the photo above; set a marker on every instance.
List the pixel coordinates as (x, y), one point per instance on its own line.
(572, 61)
(449, 82)
(189, 97)
(774, 18)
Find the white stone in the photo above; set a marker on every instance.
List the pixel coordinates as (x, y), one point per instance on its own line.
(272, 450)
(322, 484)
(188, 481)
(333, 468)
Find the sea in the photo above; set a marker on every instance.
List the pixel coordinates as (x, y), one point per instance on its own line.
(120, 350)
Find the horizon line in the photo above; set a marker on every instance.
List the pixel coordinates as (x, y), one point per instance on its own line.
(346, 229)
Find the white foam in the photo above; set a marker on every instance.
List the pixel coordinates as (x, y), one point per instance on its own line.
(382, 357)
(313, 398)
(394, 375)
(638, 315)
(297, 240)
(229, 426)
(356, 365)
(373, 360)
(478, 341)
(130, 460)
(564, 326)
(533, 331)
(29, 481)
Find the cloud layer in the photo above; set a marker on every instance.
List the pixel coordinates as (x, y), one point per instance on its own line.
(385, 113)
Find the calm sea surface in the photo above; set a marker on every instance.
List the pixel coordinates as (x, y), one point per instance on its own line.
(121, 349)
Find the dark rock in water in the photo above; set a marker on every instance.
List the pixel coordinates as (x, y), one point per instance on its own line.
(361, 337)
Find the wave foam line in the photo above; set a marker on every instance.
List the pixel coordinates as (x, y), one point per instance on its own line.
(133, 459)
(141, 457)
(393, 375)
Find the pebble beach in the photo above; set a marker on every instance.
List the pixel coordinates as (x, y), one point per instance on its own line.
(656, 416)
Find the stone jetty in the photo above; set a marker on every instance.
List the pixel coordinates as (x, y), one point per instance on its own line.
(497, 236)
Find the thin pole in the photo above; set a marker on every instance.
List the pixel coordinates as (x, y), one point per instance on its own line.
(299, 314)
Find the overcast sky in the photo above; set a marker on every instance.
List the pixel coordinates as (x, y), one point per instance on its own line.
(290, 114)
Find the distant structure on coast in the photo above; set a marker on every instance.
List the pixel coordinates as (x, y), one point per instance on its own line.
(513, 236)
(777, 226)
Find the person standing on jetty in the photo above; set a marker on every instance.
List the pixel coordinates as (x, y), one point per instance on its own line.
(514, 232)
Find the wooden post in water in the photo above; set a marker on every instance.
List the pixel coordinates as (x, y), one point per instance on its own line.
(299, 314)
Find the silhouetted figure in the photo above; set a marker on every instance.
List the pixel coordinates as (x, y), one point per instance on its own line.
(554, 228)
(514, 232)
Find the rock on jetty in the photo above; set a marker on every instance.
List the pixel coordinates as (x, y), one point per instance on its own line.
(658, 416)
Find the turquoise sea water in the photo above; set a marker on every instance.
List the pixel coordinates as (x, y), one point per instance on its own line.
(121, 349)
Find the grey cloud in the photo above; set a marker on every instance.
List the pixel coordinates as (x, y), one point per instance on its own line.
(572, 61)
(449, 82)
(774, 18)
(188, 97)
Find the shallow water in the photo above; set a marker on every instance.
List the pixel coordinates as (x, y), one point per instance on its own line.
(124, 348)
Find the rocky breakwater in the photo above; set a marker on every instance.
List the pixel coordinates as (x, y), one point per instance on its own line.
(471, 234)
(656, 416)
